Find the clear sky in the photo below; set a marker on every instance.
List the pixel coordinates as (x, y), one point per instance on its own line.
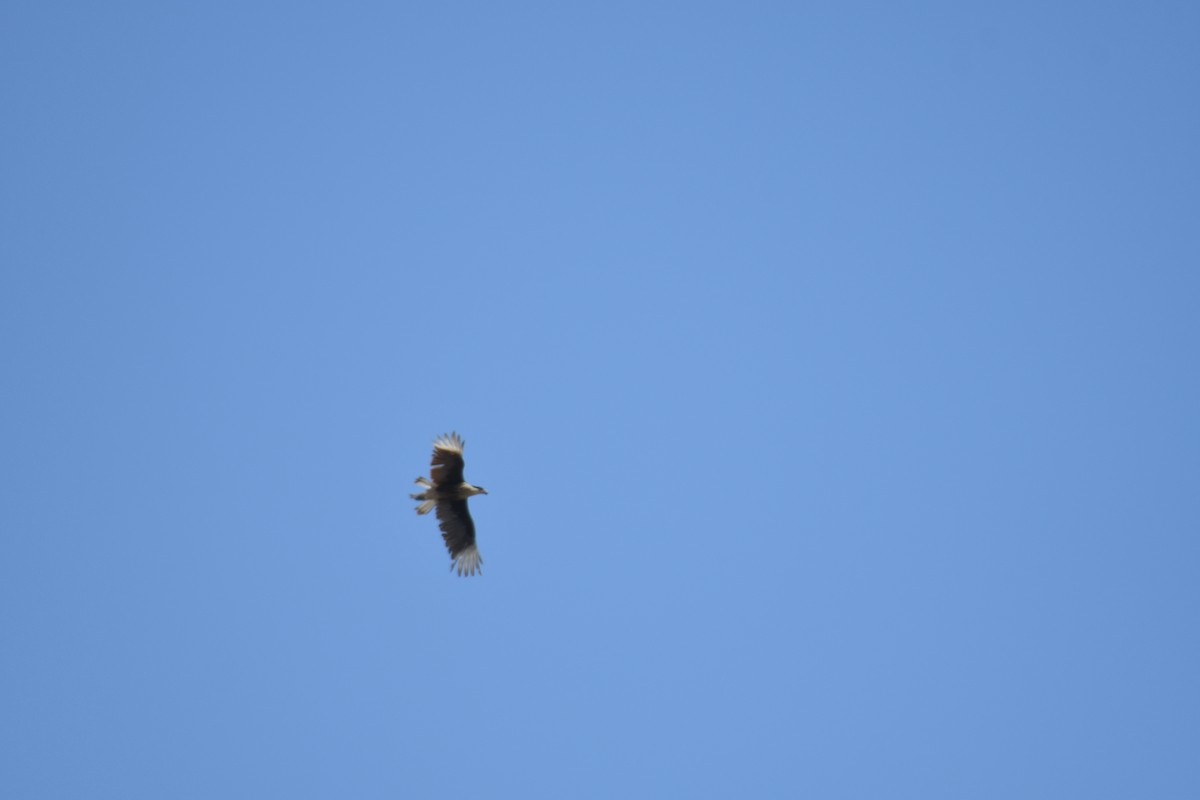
(832, 368)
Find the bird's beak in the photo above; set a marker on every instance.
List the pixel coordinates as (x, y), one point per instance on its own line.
(485, 491)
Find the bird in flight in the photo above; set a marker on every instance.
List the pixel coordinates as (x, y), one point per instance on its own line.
(446, 491)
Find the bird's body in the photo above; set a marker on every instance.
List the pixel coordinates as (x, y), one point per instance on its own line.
(446, 491)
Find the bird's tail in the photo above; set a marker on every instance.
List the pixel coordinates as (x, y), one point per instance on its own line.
(428, 502)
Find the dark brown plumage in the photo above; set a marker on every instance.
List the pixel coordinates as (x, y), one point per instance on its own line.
(448, 492)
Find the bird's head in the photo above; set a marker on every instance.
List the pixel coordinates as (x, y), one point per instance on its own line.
(477, 490)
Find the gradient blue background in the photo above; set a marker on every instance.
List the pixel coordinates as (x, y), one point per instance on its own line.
(832, 368)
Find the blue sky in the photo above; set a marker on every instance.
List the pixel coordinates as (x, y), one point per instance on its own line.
(831, 368)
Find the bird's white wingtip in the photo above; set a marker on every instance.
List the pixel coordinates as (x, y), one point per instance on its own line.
(449, 441)
(468, 562)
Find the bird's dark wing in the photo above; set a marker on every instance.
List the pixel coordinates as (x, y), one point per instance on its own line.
(447, 466)
(458, 531)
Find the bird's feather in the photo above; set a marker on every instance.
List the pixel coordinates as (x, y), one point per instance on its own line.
(447, 465)
(458, 532)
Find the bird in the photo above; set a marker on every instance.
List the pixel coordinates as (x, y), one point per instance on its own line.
(446, 491)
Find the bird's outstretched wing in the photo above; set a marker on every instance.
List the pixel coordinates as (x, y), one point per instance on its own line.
(458, 531)
(447, 466)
